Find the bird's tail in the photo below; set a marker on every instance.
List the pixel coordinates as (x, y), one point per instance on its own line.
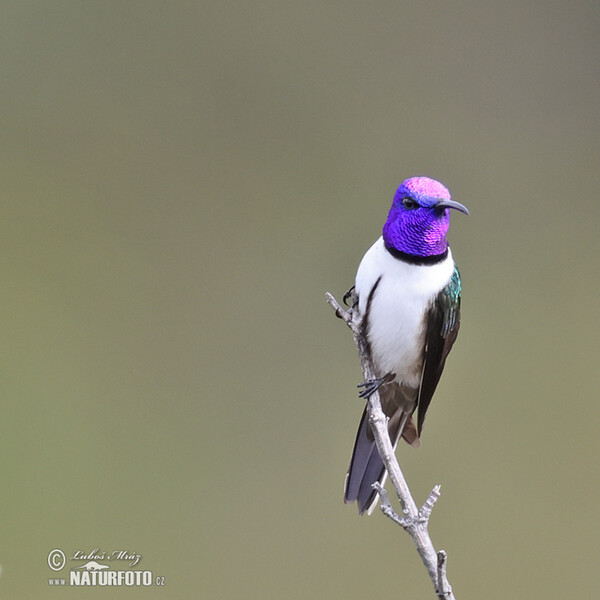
(366, 466)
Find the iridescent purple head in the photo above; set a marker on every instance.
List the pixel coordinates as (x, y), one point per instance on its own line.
(419, 218)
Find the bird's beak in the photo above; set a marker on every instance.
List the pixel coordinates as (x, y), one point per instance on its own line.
(452, 204)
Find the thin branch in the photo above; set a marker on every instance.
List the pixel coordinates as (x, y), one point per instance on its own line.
(444, 590)
(414, 520)
(428, 505)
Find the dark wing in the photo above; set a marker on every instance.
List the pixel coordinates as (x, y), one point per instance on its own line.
(443, 322)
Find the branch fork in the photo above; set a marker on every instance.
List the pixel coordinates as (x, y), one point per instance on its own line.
(415, 520)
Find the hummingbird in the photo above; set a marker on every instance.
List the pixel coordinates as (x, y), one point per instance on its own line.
(407, 295)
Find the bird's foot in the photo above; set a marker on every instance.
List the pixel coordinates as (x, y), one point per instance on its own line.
(350, 295)
(372, 385)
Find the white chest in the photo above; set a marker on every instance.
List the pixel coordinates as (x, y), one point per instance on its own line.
(398, 307)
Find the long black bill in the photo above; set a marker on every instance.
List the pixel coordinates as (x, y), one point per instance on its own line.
(452, 204)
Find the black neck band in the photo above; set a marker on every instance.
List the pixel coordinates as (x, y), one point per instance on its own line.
(415, 259)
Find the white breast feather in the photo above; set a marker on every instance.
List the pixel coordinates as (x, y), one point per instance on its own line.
(405, 292)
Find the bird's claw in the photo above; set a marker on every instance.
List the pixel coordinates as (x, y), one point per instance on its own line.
(372, 385)
(350, 295)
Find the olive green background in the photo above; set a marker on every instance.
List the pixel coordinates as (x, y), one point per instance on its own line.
(180, 184)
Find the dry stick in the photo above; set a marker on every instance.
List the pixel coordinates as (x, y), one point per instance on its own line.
(414, 521)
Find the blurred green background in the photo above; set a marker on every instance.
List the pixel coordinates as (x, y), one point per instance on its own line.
(180, 184)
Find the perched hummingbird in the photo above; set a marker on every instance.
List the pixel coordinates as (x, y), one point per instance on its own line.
(407, 295)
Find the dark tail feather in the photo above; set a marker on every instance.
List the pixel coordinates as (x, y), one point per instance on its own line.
(365, 460)
(366, 466)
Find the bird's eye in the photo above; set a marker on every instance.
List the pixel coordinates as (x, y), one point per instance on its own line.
(409, 203)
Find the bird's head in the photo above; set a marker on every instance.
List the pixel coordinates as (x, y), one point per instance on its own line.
(418, 220)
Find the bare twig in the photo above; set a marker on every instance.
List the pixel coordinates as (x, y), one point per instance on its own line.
(414, 520)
